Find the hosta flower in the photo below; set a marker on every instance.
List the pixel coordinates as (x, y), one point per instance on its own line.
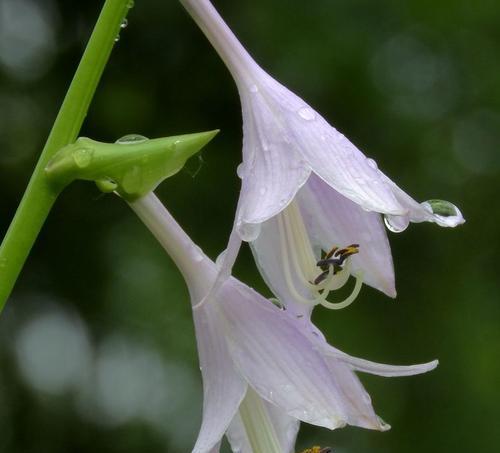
(304, 181)
(264, 369)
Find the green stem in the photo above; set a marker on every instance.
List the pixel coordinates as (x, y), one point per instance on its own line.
(41, 194)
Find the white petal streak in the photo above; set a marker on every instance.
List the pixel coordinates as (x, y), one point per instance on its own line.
(333, 220)
(269, 255)
(285, 427)
(223, 387)
(331, 155)
(277, 359)
(272, 169)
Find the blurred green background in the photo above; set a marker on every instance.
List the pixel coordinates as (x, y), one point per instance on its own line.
(97, 350)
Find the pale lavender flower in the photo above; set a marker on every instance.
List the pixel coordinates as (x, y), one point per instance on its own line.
(262, 364)
(291, 155)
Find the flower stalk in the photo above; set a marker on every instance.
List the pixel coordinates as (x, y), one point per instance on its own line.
(234, 55)
(41, 193)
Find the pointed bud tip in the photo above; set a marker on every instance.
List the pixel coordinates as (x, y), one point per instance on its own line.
(190, 144)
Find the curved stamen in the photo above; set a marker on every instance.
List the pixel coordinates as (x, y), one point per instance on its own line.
(341, 278)
(349, 300)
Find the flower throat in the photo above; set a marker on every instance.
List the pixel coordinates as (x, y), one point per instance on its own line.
(303, 270)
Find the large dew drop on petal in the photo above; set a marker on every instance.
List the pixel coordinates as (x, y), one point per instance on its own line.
(396, 223)
(249, 231)
(444, 212)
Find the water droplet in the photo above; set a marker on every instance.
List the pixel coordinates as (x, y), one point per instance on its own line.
(130, 4)
(196, 253)
(124, 23)
(372, 163)
(383, 425)
(132, 180)
(307, 113)
(366, 398)
(241, 170)
(173, 146)
(117, 38)
(249, 231)
(131, 139)
(254, 89)
(106, 185)
(444, 212)
(396, 223)
(220, 259)
(276, 302)
(83, 157)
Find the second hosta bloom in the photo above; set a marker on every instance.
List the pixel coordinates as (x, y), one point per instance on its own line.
(291, 155)
(264, 369)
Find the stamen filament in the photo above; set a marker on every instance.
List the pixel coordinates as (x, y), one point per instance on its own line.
(349, 300)
(286, 266)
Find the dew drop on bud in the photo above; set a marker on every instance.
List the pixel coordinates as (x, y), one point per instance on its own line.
(249, 231)
(130, 4)
(106, 185)
(117, 38)
(131, 139)
(124, 23)
(132, 180)
(173, 146)
(307, 113)
(396, 223)
(83, 157)
(445, 213)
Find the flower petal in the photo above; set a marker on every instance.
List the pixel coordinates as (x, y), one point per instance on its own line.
(333, 220)
(272, 170)
(330, 154)
(357, 402)
(285, 427)
(379, 369)
(223, 387)
(278, 359)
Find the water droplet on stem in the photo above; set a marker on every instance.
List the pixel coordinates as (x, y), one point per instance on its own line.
(131, 139)
(83, 157)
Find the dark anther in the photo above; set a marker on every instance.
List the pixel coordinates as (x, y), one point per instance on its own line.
(340, 256)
